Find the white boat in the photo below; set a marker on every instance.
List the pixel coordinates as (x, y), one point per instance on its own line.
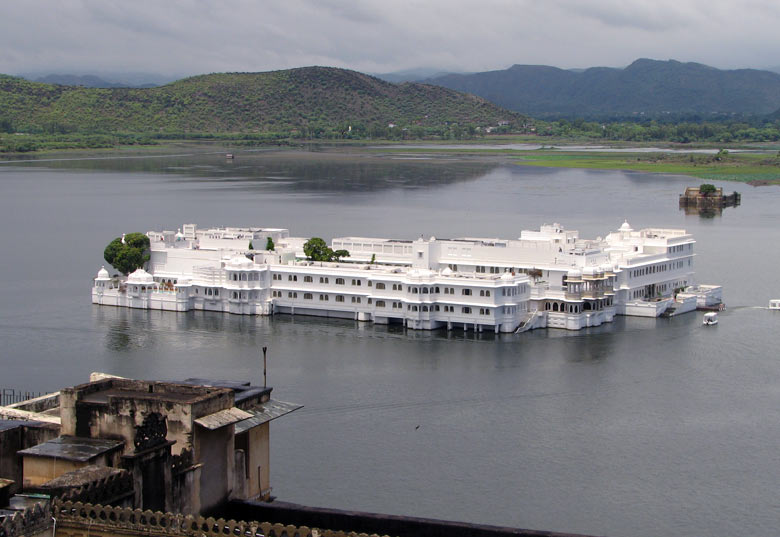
(710, 318)
(774, 304)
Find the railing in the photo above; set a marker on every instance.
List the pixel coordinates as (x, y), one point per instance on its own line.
(9, 396)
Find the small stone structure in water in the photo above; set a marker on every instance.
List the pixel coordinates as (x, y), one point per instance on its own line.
(695, 200)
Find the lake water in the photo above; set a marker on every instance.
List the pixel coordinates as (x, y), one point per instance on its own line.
(642, 427)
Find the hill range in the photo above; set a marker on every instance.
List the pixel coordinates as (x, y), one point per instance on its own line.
(646, 87)
(276, 101)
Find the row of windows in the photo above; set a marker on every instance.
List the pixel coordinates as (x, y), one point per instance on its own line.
(209, 291)
(395, 305)
(323, 279)
(491, 270)
(399, 287)
(323, 297)
(680, 248)
(447, 309)
(243, 295)
(652, 269)
(252, 276)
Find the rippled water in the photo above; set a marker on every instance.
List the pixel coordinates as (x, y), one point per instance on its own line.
(641, 427)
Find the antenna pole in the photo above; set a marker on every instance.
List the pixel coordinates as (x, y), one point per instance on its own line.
(265, 363)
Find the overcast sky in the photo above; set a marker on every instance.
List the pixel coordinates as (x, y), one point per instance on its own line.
(182, 37)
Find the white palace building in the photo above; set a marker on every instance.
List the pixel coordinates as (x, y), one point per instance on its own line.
(548, 278)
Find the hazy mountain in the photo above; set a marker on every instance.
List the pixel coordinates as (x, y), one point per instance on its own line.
(411, 75)
(101, 80)
(648, 87)
(276, 101)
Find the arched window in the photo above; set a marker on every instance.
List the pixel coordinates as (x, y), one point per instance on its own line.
(380, 285)
(339, 281)
(307, 279)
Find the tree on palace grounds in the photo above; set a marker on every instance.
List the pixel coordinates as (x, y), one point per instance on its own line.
(269, 244)
(128, 253)
(317, 250)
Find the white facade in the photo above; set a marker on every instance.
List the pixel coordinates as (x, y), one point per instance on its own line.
(546, 278)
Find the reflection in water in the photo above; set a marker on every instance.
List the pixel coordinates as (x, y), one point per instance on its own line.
(290, 170)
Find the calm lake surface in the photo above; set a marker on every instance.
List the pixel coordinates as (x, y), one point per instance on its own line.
(642, 427)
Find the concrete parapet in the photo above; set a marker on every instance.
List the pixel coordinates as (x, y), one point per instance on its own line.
(31, 522)
(73, 518)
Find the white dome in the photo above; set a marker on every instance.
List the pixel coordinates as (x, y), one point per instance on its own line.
(589, 271)
(625, 226)
(240, 262)
(103, 274)
(140, 276)
(606, 268)
(446, 272)
(507, 277)
(574, 273)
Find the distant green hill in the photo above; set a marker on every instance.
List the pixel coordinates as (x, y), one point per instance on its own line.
(647, 87)
(299, 100)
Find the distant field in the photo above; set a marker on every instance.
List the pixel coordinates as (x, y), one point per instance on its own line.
(743, 167)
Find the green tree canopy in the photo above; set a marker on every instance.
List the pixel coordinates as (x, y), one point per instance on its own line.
(317, 249)
(129, 255)
(269, 244)
(707, 188)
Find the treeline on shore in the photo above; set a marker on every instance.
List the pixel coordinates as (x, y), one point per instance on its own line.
(54, 136)
(743, 130)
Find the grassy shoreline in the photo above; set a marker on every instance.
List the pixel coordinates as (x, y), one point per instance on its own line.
(751, 168)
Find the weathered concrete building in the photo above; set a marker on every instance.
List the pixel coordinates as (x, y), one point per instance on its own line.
(185, 447)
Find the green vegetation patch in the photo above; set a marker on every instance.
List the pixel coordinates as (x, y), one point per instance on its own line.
(742, 167)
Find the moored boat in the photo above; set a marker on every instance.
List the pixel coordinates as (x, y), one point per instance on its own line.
(710, 318)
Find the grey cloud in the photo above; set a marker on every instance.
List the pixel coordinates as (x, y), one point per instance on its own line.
(197, 36)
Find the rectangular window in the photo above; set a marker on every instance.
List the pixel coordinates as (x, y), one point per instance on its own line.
(465, 309)
(307, 296)
(466, 292)
(380, 303)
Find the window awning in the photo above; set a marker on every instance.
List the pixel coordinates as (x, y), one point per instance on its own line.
(223, 418)
(270, 410)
